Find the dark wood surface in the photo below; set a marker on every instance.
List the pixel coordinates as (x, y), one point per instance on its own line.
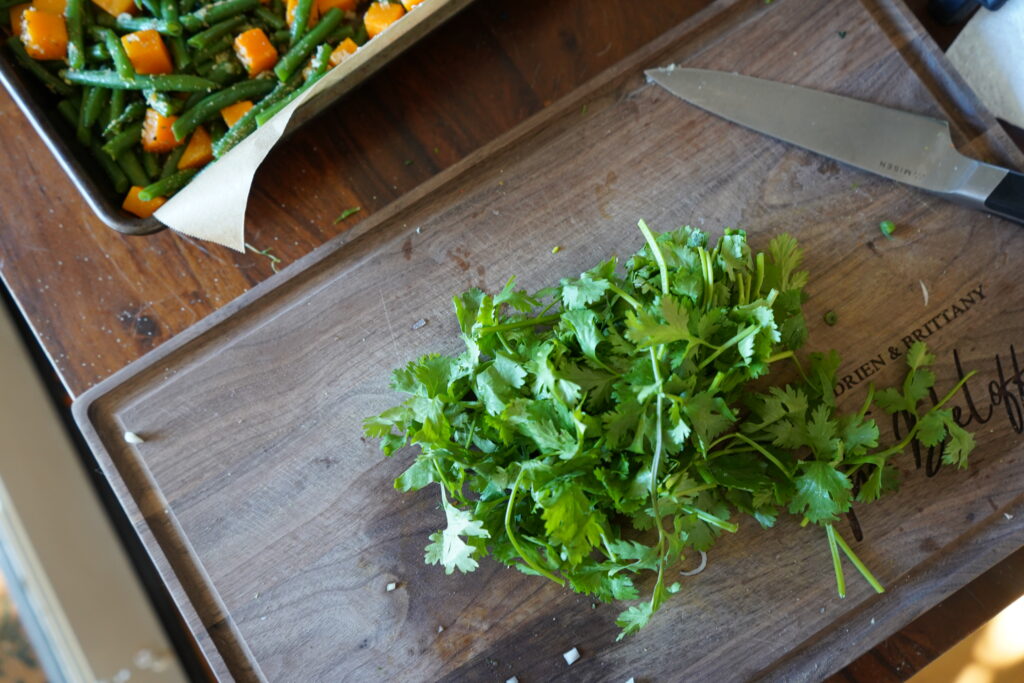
(274, 525)
(97, 300)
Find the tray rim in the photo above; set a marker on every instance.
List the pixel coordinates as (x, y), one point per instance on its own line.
(824, 648)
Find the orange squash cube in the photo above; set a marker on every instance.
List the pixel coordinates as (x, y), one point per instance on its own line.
(44, 35)
(289, 13)
(199, 151)
(380, 15)
(116, 7)
(345, 49)
(343, 5)
(51, 6)
(157, 136)
(15, 15)
(132, 203)
(147, 52)
(233, 112)
(409, 4)
(255, 51)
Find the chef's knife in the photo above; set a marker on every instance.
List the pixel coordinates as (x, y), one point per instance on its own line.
(898, 145)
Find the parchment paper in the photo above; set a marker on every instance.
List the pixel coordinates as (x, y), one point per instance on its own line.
(212, 206)
(989, 54)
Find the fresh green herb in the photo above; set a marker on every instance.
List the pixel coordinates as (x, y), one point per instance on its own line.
(830, 318)
(274, 260)
(346, 213)
(842, 34)
(607, 427)
(887, 228)
(555, 249)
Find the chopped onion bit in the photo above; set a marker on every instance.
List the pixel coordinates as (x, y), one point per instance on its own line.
(391, 586)
(571, 656)
(700, 567)
(512, 680)
(133, 438)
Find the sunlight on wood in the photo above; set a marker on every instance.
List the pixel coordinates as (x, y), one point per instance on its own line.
(992, 654)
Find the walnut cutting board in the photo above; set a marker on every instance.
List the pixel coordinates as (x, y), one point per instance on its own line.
(275, 524)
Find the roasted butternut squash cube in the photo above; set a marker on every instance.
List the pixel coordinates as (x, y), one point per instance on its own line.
(147, 52)
(44, 35)
(132, 203)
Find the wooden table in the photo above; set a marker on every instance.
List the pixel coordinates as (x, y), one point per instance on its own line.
(97, 301)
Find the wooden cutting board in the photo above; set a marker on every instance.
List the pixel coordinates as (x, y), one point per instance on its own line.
(275, 524)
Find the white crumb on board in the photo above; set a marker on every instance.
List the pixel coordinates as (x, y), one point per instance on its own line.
(133, 438)
(924, 291)
(391, 586)
(571, 656)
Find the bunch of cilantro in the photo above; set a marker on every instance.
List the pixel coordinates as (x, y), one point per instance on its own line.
(599, 430)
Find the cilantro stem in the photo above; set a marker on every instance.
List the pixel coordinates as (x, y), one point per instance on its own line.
(861, 567)
(760, 449)
(710, 518)
(518, 324)
(736, 339)
(624, 296)
(759, 279)
(658, 256)
(782, 355)
(512, 537)
(837, 565)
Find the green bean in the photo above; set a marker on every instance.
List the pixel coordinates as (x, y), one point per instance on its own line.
(204, 38)
(128, 160)
(105, 20)
(124, 140)
(201, 55)
(170, 14)
(217, 128)
(150, 164)
(92, 105)
(97, 52)
(341, 33)
(171, 162)
(277, 7)
(115, 49)
(73, 20)
(168, 82)
(321, 62)
(167, 186)
(211, 105)
(267, 16)
(225, 72)
(300, 20)
(280, 37)
(247, 123)
(162, 103)
(206, 67)
(152, 6)
(117, 177)
(132, 112)
(127, 22)
(294, 57)
(216, 12)
(69, 110)
(115, 105)
(36, 69)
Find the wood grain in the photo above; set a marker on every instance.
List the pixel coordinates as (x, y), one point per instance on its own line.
(274, 523)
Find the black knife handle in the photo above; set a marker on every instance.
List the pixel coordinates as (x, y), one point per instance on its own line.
(1008, 198)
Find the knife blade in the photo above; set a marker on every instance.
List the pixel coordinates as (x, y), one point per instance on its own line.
(908, 148)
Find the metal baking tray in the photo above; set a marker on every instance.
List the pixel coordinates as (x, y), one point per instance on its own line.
(39, 106)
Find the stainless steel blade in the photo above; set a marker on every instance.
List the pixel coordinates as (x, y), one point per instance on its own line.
(905, 147)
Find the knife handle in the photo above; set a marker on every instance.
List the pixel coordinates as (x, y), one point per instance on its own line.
(1007, 199)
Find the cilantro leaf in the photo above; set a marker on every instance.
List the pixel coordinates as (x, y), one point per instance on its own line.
(822, 492)
(448, 548)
